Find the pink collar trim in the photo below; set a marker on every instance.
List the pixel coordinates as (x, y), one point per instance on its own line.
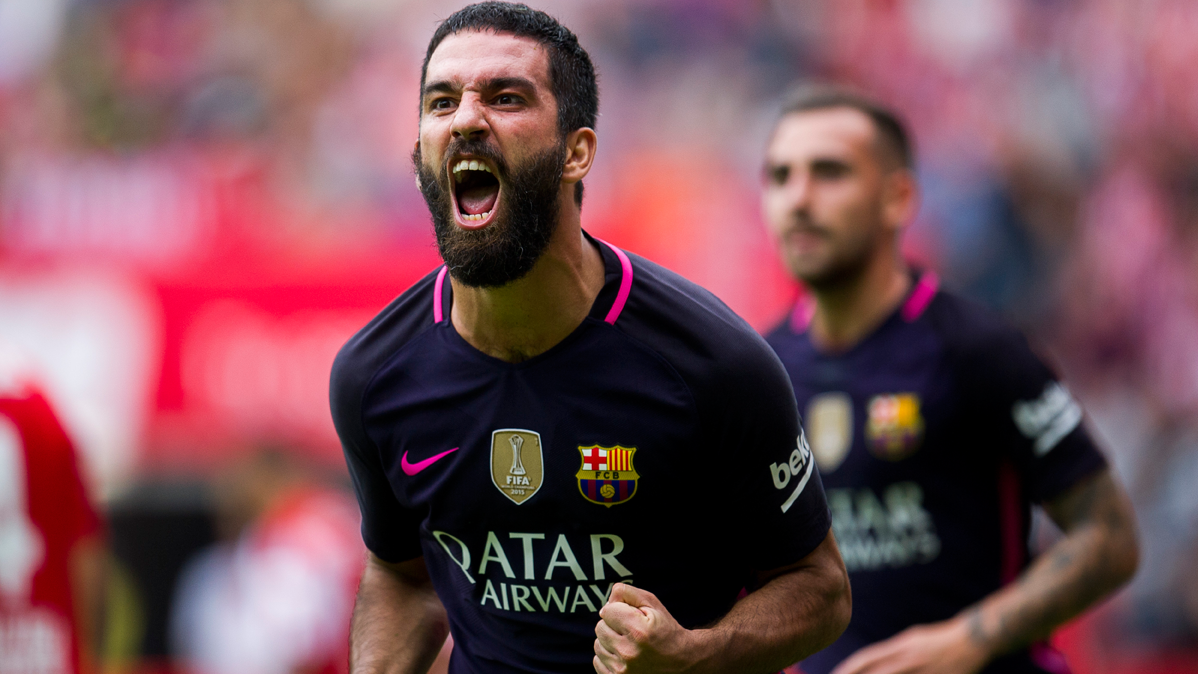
(625, 284)
(439, 294)
(616, 308)
(801, 315)
(917, 303)
(921, 297)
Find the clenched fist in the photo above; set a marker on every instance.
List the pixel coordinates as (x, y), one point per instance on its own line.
(637, 634)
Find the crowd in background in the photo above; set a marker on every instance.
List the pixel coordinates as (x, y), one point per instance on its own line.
(1057, 144)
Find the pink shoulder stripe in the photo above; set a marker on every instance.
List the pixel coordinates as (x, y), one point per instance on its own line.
(1010, 514)
(921, 297)
(438, 295)
(625, 284)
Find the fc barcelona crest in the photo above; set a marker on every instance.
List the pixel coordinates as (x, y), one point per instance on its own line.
(517, 468)
(894, 429)
(607, 476)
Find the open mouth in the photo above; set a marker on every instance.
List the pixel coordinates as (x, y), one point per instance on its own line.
(475, 192)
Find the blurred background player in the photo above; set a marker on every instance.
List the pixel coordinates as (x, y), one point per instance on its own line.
(51, 556)
(274, 595)
(933, 423)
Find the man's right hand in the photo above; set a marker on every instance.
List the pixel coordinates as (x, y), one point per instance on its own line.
(638, 634)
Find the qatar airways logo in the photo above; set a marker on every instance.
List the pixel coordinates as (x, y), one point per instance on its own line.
(534, 573)
(798, 466)
(887, 529)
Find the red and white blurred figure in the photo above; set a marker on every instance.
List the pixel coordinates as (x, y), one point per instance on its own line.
(49, 544)
(275, 597)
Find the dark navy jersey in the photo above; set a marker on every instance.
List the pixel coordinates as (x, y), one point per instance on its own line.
(933, 435)
(658, 445)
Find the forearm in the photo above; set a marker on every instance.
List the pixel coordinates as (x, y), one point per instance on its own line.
(791, 616)
(399, 623)
(1097, 554)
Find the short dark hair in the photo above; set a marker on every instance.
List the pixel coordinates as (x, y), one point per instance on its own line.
(571, 73)
(892, 132)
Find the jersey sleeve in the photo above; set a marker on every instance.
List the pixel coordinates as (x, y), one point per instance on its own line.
(74, 509)
(389, 530)
(776, 498)
(1039, 422)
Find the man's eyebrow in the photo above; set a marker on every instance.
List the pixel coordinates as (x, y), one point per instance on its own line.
(831, 162)
(448, 87)
(438, 87)
(508, 83)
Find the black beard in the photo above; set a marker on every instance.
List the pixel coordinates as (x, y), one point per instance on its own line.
(840, 274)
(505, 250)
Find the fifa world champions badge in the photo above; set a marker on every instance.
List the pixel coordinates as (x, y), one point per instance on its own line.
(829, 424)
(894, 430)
(517, 466)
(607, 476)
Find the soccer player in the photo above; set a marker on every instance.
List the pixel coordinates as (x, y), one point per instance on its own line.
(568, 456)
(51, 554)
(935, 426)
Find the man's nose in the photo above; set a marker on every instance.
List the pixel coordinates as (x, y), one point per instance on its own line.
(798, 191)
(470, 120)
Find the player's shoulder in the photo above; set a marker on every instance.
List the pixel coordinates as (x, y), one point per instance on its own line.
(778, 333)
(25, 403)
(787, 338)
(970, 329)
(699, 335)
(30, 415)
(399, 323)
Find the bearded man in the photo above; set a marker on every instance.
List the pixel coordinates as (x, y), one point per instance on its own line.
(567, 456)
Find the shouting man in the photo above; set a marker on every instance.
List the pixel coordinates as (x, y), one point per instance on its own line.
(935, 426)
(567, 456)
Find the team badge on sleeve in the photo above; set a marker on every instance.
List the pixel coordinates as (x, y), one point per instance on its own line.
(895, 427)
(607, 476)
(517, 468)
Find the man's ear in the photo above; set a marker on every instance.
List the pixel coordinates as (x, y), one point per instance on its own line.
(581, 145)
(900, 198)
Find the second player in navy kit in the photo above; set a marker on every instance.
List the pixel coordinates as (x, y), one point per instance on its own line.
(935, 434)
(566, 455)
(935, 426)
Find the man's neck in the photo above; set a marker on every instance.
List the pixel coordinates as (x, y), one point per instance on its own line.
(528, 317)
(847, 312)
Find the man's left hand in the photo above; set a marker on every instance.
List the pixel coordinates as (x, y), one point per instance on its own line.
(638, 634)
(940, 648)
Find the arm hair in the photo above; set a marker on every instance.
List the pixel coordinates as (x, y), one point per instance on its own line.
(1097, 555)
(399, 623)
(797, 610)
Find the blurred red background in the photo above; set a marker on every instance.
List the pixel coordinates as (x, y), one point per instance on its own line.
(200, 200)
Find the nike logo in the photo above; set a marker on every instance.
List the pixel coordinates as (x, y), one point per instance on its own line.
(413, 468)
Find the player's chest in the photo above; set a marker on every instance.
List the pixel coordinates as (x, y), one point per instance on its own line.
(579, 437)
(888, 417)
